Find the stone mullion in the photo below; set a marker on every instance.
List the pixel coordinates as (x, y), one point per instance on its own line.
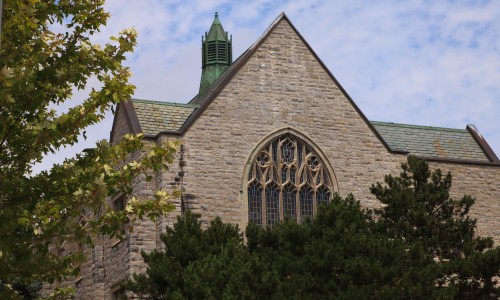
(263, 194)
(279, 163)
(263, 197)
(264, 208)
(315, 202)
(297, 188)
(281, 185)
(297, 205)
(314, 186)
(298, 181)
(321, 176)
(281, 204)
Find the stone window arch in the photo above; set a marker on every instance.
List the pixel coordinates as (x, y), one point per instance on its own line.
(286, 178)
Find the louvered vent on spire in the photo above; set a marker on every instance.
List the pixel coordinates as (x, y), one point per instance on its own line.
(217, 54)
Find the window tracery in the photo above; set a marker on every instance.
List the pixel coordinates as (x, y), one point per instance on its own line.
(287, 179)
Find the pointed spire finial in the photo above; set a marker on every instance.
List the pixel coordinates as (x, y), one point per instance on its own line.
(217, 54)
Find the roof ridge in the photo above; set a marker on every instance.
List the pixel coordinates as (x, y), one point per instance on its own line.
(268, 29)
(166, 103)
(417, 126)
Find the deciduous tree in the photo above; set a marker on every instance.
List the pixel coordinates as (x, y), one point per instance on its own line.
(39, 71)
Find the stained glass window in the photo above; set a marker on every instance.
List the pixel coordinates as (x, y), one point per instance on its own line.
(275, 152)
(272, 204)
(322, 195)
(290, 202)
(283, 174)
(287, 151)
(306, 203)
(255, 203)
(286, 179)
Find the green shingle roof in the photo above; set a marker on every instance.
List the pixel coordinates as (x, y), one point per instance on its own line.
(427, 141)
(157, 116)
(424, 141)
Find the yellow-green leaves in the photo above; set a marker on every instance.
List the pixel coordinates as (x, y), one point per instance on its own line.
(46, 52)
(7, 72)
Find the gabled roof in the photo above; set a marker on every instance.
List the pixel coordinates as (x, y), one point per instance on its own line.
(155, 118)
(431, 142)
(205, 99)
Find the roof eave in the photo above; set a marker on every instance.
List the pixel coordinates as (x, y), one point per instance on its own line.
(461, 161)
(481, 141)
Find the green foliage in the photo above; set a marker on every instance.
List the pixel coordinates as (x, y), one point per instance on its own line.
(418, 210)
(23, 291)
(418, 207)
(346, 252)
(39, 69)
(196, 263)
(339, 255)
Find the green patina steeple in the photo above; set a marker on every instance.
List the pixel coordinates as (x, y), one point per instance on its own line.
(216, 54)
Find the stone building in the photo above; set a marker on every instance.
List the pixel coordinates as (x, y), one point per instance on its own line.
(272, 133)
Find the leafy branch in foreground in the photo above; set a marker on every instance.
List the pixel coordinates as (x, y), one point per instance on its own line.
(46, 54)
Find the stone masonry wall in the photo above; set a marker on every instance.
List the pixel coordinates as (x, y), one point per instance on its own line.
(122, 259)
(111, 261)
(282, 85)
(121, 126)
(170, 180)
(483, 183)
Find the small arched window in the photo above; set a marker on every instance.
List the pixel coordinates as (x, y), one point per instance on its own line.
(287, 179)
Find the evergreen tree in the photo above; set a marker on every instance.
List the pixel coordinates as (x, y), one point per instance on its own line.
(417, 208)
(419, 245)
(199, 264)
(342, 254)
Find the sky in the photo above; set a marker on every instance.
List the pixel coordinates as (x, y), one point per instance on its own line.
(434, 63)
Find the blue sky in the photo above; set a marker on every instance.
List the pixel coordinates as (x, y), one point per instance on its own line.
(431, 63)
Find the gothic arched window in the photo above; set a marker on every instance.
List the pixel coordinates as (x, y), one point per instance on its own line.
(287, 179)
